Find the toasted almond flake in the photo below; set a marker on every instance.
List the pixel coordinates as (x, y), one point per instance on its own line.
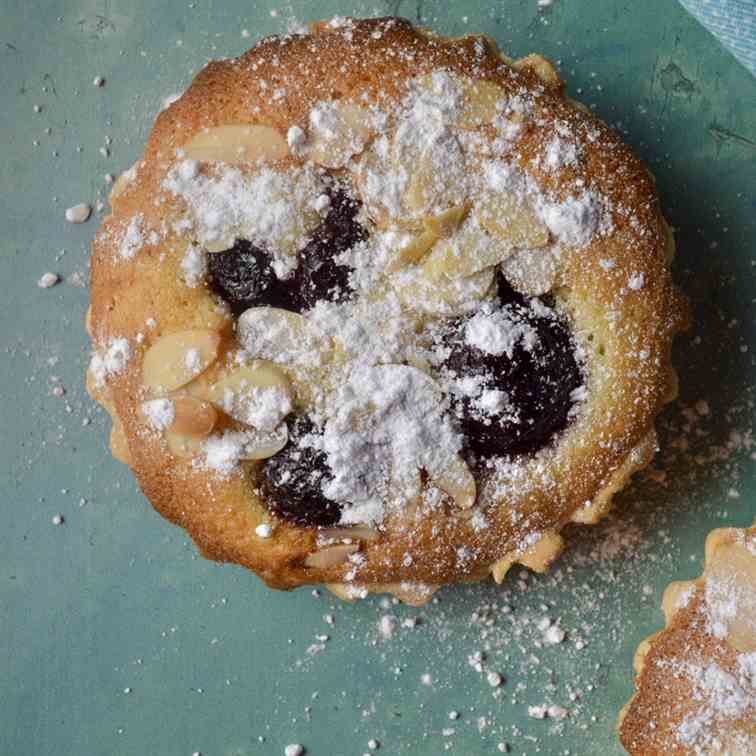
(193, 416)
(264, 444)
(178, 358)
(331, 556)
(237, 143)
(78, 213)
(481, 102)
(257, 394)
(442, 295)
(338, 130)
(510, 220)
(357, 532)
(413, 251)
(457, 481)
(282, 336)
(446, 223)
(181, 445)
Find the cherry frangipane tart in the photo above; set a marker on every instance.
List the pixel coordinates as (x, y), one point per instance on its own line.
(696, 683)
(382, 310)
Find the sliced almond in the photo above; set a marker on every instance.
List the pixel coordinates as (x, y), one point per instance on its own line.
(264, 444)
(441, 295)
(482, 101)
(178, 358)
(331, 556)
(282, 336)
(457, 481)
(186, 447)
(242, 393)
(532, 271)
(88, 321)
(237, 143)
(467, 252)
(413, 251)
(338, 130)
(219, 245)
(193, 416)
(446, 223)
(436, 182)
(356, 533)
(512, 221)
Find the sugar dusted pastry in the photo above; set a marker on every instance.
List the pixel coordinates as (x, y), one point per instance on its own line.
(696, 684)
(382, 310)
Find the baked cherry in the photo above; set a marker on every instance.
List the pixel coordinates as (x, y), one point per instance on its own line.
(318, 276)
(292, 480)
(244, 278)
(243, 275)
(515, 400)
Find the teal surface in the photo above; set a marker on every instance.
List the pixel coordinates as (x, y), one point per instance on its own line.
(116, 638)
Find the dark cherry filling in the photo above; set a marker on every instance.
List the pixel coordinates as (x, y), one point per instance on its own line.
(318, 277)
(244, 278)
(539, 383)
(292, 481)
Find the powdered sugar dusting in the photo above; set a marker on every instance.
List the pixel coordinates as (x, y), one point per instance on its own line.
(386, 423)
(267, 207)
(110, 360)
(498, 331)
(160, 413)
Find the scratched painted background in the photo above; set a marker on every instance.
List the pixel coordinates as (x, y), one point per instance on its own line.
(115, 638)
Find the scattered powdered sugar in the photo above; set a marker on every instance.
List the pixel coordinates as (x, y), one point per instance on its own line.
(728, 600)
(369, 331)
(194, 266)
(720, 699)
(636, 281)
(269, 208)
(160, 412)
(560, 152)
(132, 239)
(386, 423)
(193, 360)
(110, 360)
(78, 213)
(262, 408)
(223, 452)
(424, 139)
(498, 331)
(573, 220)
(263, 530)
(286, 339)
(48, 280)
